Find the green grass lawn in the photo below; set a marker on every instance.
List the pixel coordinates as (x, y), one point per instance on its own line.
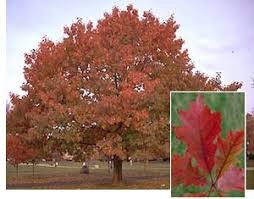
(155, 176)
(250, 175)
(250, 179)
(250, 163)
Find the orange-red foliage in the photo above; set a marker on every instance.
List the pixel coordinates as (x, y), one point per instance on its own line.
(18, 151)
(107, 86)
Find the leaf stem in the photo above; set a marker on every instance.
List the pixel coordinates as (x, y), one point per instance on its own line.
(210, 190)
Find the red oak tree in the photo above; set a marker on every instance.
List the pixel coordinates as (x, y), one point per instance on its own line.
(106, 87)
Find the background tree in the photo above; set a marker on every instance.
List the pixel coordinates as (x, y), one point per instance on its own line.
(19, 123)
(15, 151)
(250, 131)
(102, 86)
(250, 134)
(18, 151)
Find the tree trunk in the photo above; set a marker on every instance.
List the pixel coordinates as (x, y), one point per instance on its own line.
(33, 168)
(17, 170)
(145, 164)
(109, 166)
(117, 172)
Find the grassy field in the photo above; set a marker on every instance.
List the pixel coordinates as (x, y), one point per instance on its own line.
(250, 179)
(250, 175)
(67, 176)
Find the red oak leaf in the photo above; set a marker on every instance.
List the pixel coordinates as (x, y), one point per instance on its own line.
(229, 149)
(184, 172)
(199, 130)
(232, 179)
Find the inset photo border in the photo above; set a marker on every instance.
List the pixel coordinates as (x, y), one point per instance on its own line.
(207, 136)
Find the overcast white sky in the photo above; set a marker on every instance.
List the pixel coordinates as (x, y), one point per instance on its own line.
(219, 34)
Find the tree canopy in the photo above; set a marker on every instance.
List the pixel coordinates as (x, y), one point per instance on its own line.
(105, 87)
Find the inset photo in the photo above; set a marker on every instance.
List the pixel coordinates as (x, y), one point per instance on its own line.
(207, 144)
